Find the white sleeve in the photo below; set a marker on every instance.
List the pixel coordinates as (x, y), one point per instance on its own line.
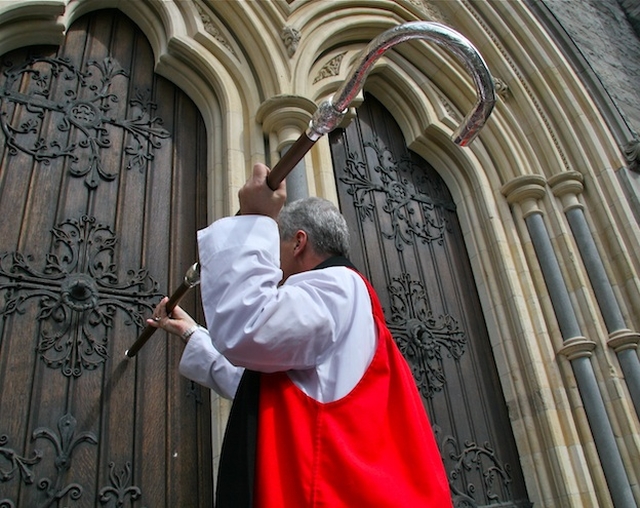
(202, 363)
(255, 323)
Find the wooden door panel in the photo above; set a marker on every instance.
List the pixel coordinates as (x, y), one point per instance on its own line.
(102, 188)
(408, 241)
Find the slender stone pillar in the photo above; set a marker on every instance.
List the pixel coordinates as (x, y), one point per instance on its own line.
(567, 186)
(297, 184)
(284, 118)
(527, 191)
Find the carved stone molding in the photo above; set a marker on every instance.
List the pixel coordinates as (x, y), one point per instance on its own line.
(568, 186)
(286, 116)
(577, 347)
(502, 89)
(429, 9)
(449, 108)
(622, 340)
(291, 37)
(211, 29)
(526, 85)
(525, 190)
(632, 154)
(331, 68)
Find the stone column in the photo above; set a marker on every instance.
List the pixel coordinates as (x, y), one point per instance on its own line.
(526, 191)
(567, 186)
(284, 118)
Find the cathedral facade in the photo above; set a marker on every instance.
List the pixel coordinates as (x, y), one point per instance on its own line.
(508, 268)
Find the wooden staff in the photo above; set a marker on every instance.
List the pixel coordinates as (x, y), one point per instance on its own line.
(191, 279)
(331, 112)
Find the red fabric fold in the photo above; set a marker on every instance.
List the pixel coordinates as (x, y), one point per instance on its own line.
(374, 447)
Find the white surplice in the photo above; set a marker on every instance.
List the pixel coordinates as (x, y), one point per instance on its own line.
(317, 326)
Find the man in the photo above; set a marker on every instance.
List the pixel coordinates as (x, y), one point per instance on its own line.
(327, 412)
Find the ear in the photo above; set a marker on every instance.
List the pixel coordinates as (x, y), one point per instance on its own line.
(300, 245)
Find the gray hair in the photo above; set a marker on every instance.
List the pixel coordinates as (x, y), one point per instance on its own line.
(325, 226)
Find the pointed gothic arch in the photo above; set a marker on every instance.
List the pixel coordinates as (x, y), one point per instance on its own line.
(408, 241)
(546, 138)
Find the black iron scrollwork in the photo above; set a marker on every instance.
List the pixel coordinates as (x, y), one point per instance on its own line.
(120, 488)
(17, 464)
(80, 103)
(194, 391)
(421, 336)
(481, 459)
(414, 214)
(79, 294)
(64, 442)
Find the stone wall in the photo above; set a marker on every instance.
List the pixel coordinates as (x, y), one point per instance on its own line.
(607, 35)
(632, 10)
(603, 33)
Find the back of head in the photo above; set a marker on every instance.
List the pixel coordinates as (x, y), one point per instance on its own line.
(326, 228)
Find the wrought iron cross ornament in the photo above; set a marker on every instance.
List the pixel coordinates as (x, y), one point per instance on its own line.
(81, 104)
(79, 293)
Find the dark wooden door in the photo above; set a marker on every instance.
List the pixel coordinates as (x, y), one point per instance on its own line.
(407, 239)
(102, 188)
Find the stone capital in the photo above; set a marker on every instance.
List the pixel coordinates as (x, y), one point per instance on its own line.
(286, 116)
(525, 190)
(621, 340)
(567, 186)
(577, 347)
